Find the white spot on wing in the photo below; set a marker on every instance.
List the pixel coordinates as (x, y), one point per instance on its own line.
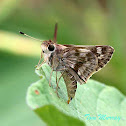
(84, 50)
(101, 56)
(99, 50)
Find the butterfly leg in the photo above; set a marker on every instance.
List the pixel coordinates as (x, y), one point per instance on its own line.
(57, 82)
(56, 85)
(50, 78)
(39, 61)
(38, 67)
(59, 79)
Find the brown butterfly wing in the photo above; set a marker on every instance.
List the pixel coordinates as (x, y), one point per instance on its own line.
(103, 53)
(83, 61)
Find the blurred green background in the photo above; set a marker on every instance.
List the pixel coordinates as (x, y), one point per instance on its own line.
(84, 22)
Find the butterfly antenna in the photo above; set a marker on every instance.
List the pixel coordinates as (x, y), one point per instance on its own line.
(55, 33)
(29, 36)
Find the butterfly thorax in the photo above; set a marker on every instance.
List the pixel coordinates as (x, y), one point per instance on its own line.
(52, 54)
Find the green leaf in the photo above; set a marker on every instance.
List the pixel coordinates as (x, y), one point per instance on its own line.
(94, 103)
(53, 117)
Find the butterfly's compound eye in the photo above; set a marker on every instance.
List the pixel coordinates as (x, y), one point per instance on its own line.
(51, 47)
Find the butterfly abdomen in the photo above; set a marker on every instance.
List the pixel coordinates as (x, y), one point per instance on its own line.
(71, 84)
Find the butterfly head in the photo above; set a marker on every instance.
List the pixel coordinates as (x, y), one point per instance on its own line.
(48, 47)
